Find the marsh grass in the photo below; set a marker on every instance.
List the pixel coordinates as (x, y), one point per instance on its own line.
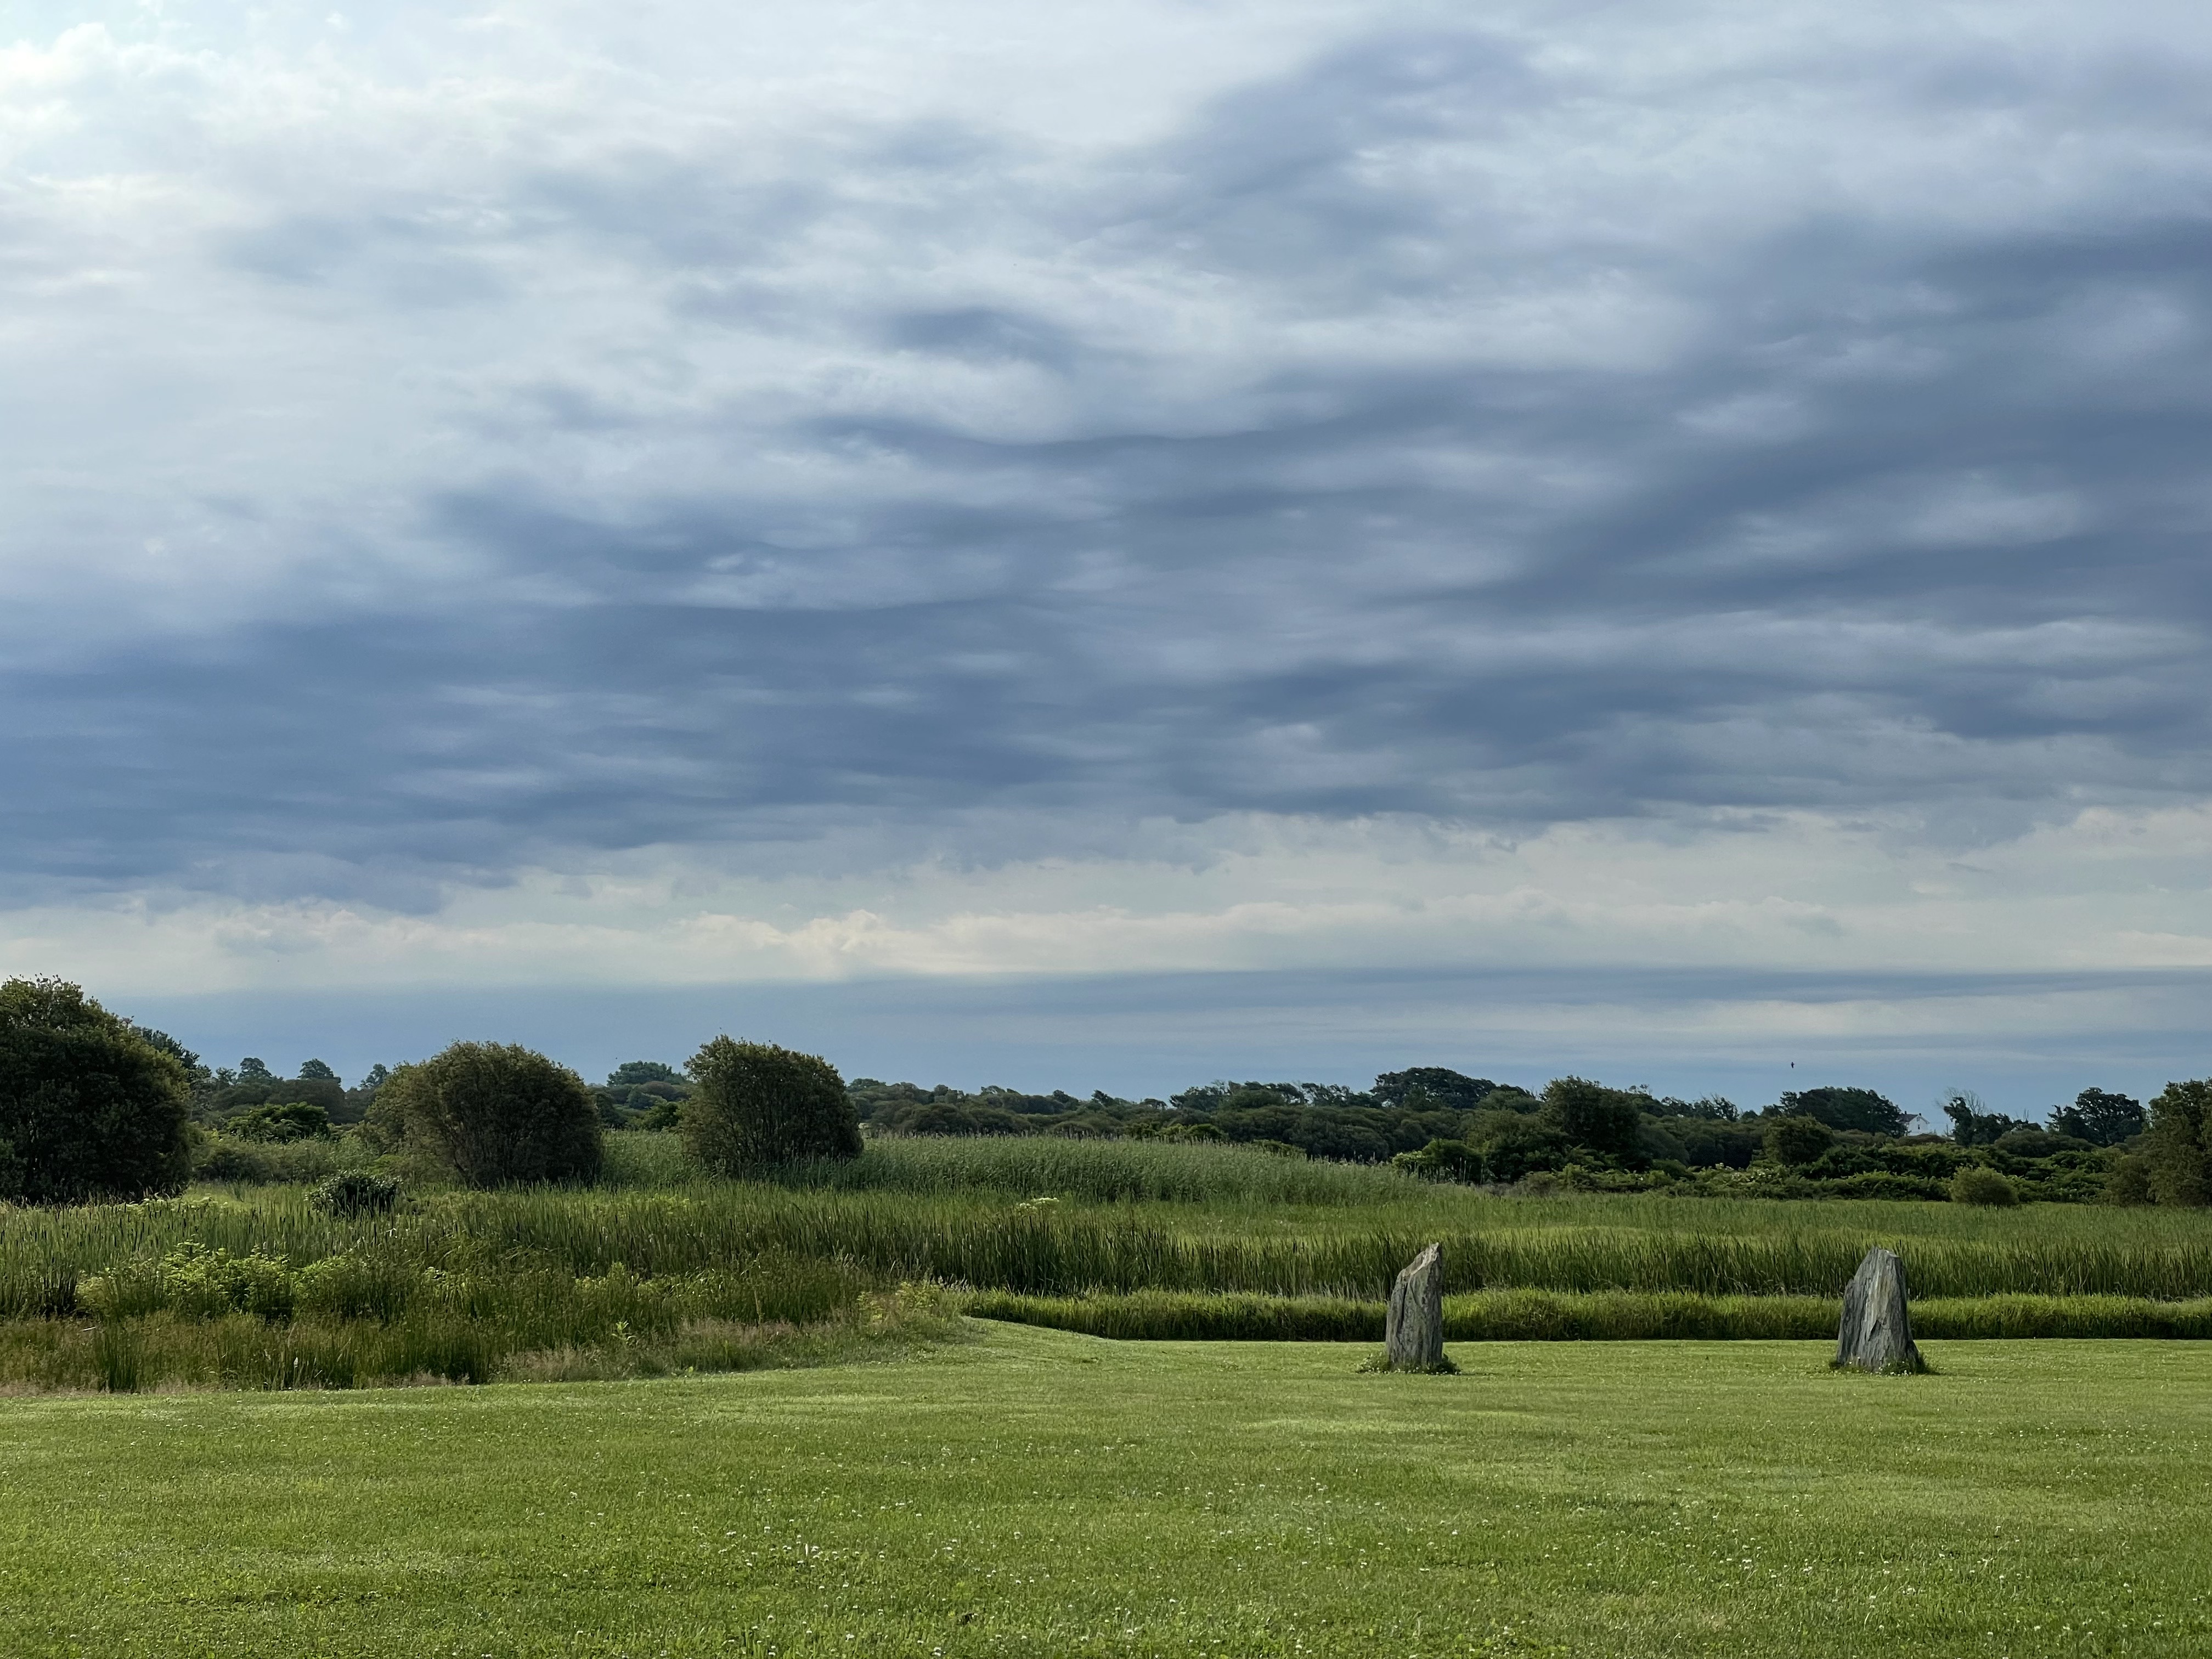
(692, 1329)
(260, 1286)
(900, 1214)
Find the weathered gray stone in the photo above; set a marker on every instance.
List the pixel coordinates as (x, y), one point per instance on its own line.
(1877, 1331)
(1415, 1334)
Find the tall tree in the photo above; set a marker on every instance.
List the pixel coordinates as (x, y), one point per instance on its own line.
(2178, 1144)
(2100, 1115)
(89, 1108)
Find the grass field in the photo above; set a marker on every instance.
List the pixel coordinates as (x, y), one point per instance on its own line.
(1038, 1493)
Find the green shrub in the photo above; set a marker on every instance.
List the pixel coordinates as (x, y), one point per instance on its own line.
(1444, 1160)
(496, 1114)
(1976, 1185)
(195, 1282)
(356, 1192)
(279, 1122)
(89, 1109)
(2129, 1180)
(758, 1105)
(1801, 1138)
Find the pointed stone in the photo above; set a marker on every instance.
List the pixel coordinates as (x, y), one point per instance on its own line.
(1877, 1330)
(1415, 1334)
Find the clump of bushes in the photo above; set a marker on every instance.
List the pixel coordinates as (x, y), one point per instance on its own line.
(493, 1113)
(195, 1282)
(758, 1104)
(280, 1122)
(1976, 1184)
(356, 1192)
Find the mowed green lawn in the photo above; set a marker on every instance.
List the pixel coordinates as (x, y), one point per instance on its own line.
(1041, 1493)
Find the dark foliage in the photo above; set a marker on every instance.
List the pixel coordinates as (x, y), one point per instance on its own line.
(642, 1094)
(1606, 1121)
(280, 1121)
(1972, 1127)
(496, 1114)
(356, 1192)
(89, 1108)
(1428, 1087)
(324, 1093)
(358, 1099)
(2177, 1169)
(169, 1046)
(1592, 1137)
(1712, 1108)
(1847, 1109)
(2100, 1117)
(1977, 1184)
(1801, 1138)
(758, 1104)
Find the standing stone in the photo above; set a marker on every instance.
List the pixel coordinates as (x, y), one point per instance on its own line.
(1877, 1333)
(1415, 1334)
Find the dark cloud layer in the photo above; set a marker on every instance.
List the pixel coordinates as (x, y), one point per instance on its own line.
(1488, 438)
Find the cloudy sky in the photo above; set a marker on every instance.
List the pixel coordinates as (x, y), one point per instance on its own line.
(1108, 543)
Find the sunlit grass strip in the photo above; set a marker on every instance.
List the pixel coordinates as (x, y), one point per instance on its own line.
(1523, 1316)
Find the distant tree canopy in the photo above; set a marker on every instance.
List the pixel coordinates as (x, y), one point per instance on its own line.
(1480, 1130)
(1972, 1126)
(496, 1114)
(1591, 1114)
(1432, 1086)
(254, 1089)
(315, 1069)
(758, 1105)
(2100, 1117)
(89, 1108)
(642, 1094)
(1847, 1109)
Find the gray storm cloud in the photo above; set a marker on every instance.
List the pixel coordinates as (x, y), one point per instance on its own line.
(438, 447)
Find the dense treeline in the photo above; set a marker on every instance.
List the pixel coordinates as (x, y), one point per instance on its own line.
(1819, 1142)
(92, 1105)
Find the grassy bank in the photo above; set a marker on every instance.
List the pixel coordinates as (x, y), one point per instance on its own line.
(1041, 1493)
(1588, 1316)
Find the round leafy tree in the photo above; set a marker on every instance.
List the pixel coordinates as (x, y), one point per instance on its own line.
(496, 1113)
(89, 1109)
(757, 1103)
